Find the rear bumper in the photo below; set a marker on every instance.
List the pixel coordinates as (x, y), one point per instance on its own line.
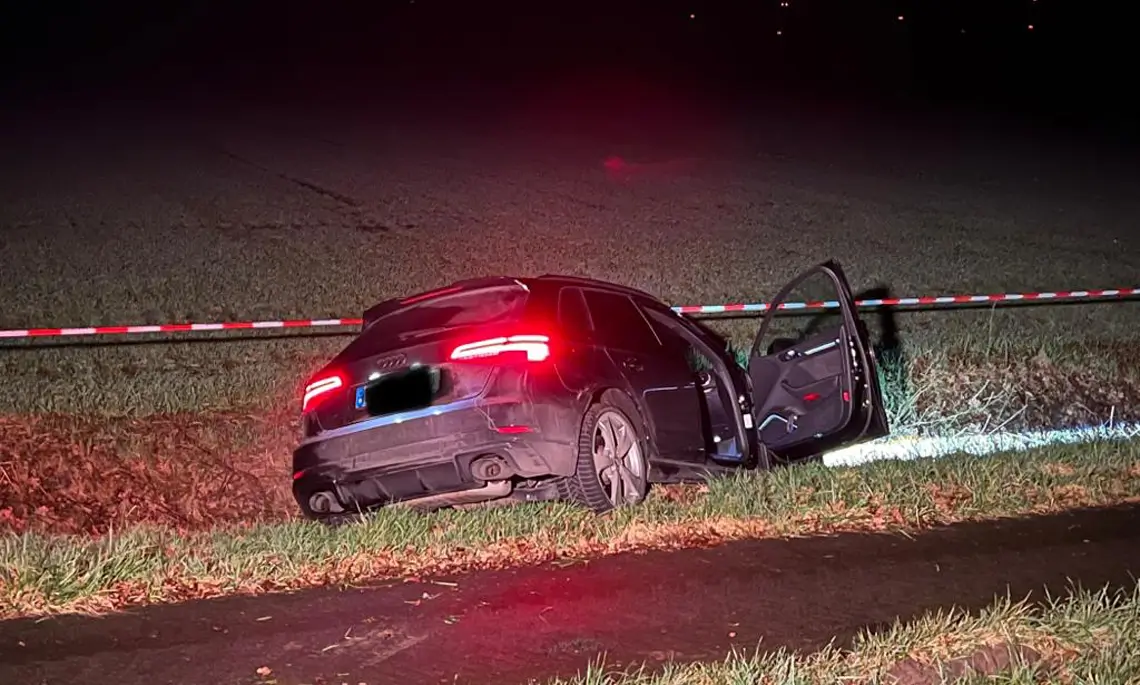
(363, 470)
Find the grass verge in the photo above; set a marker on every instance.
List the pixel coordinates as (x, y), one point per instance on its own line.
(1084, 638)
(42, 574)
(193, 471)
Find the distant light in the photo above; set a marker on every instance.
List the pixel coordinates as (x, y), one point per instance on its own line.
(779, 33)
(692, 16)
(900, 17)
(1031, 27)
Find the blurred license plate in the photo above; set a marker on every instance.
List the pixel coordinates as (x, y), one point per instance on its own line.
(401, 391)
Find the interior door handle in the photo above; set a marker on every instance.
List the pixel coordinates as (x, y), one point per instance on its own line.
(632, 364)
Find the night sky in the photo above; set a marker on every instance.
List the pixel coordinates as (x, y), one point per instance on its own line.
(1064, 57)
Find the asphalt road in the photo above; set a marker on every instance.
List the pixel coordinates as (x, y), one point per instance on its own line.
(512, 626)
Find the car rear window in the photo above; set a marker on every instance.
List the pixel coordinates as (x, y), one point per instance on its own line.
(475, 308)
(478, 307)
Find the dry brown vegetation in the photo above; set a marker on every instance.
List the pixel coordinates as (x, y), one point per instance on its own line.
(76, 474)
(90, 475)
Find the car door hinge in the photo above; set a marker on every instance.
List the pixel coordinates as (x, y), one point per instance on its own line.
(745, 410)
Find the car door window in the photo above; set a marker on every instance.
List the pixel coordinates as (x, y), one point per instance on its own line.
(619, 324)
(673, 343)
(573, 316)
(788, 328)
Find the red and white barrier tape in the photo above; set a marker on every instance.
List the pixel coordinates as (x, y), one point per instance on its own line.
(1062, 296)
(176, 328)
(1006, 298)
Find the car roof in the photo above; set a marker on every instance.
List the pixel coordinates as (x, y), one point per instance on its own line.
(388, 306)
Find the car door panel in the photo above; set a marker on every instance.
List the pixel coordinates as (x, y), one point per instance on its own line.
(806, 386)
(670, 396)
(818, 388)
(662, 384)
(725, 427)
(673, 399)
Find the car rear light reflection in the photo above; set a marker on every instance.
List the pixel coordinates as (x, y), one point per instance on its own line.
(319, 389)
(536, 348)
(513, 430)
(428, 295)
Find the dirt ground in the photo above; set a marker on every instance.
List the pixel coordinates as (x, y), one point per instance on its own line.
(510, 626)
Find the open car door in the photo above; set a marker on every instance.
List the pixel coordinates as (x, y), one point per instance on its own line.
(815, 385)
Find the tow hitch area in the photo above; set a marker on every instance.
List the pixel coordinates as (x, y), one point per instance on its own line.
(493, 490)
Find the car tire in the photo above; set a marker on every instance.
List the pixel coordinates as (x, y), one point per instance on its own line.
(586, 487)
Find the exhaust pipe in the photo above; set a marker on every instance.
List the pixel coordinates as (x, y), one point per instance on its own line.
(491, 467)
(324, 502)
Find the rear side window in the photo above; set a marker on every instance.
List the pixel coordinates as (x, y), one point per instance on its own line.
(670, 339)
(675, 342)
(618, 322)
(573, 317)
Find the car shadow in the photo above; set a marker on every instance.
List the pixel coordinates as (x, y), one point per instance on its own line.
(887, 344)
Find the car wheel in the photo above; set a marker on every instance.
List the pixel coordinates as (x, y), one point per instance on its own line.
(612, 469)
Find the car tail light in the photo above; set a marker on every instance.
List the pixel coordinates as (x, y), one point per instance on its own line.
(319, 388)
(535, 348)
